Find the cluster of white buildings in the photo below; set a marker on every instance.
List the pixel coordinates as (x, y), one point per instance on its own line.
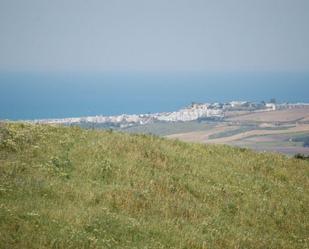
(190, 113)
(194, 112)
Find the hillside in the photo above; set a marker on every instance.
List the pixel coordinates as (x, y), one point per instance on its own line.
(65, 187)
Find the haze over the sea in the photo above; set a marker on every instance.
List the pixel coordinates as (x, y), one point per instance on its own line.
(75, 57)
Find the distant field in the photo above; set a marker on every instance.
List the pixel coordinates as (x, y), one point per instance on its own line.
(290, 115)
(286, 143)
(228, 132)
(259, 139)
(224, 133)
(200, 136)
(164, 128)
(259, 131)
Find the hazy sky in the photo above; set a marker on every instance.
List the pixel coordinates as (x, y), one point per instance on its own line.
(207, 35)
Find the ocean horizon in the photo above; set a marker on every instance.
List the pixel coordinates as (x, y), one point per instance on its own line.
(59, 95)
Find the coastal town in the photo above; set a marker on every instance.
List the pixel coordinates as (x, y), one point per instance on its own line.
(195, 111)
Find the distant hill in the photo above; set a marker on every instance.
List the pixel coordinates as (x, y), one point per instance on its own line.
(67, 187)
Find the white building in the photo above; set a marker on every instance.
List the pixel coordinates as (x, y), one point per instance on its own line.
(270, 106)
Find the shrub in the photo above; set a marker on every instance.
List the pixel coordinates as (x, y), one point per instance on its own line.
(301, 156)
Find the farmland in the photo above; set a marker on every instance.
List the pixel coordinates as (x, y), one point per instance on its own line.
(269, 131)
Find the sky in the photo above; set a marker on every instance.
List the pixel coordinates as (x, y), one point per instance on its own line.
(157, 35)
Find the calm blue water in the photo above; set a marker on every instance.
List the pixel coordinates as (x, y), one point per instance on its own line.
(51, 95)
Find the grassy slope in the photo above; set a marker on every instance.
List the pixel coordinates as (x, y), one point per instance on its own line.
(71, 188)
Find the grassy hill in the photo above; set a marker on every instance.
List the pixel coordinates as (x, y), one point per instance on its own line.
(65, 187)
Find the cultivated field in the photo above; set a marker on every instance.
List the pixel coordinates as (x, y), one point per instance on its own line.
(261, 131)
(284, 116)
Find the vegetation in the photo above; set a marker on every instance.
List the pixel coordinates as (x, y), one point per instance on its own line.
(168, 128)
(65, 187)
(301, 156)
(303, 139)
(156, 128)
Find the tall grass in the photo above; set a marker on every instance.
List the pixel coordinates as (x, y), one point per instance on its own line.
(65, 187)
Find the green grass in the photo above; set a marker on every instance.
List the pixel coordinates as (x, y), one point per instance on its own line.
(65, 187)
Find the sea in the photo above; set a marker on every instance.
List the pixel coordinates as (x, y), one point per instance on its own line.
(38, 95)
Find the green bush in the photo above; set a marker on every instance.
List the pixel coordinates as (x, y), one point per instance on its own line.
(301, 156)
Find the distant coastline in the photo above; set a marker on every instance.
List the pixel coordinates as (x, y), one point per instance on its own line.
(195, 111)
